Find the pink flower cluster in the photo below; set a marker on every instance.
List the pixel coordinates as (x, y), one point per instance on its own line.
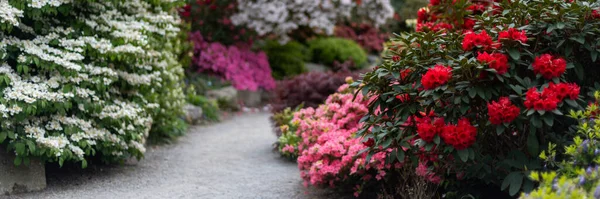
(328, 152)
(245, 69)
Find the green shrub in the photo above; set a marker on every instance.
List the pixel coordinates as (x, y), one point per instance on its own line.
(83, 79)
(329, 50)
(210, 108)
(286, 60)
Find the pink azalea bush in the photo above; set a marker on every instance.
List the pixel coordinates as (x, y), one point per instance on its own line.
(328, 150)
(245, 69)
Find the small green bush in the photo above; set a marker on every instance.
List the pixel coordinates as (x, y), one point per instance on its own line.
(210, 108)
(329, 50)
(286, 60)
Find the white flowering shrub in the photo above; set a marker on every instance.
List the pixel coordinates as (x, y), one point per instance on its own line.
(282, 17)
(82, 78)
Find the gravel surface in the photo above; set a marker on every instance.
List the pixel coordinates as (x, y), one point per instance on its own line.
(232, 159)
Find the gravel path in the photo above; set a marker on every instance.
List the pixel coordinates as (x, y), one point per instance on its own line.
(232, 159)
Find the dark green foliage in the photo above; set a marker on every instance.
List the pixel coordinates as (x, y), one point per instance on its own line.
(329, 50)
(286, 60)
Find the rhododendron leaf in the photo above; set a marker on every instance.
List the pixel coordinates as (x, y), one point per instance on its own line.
(541, 112)
(557, 112)
(579, 71)
(518, 89)
(463, 154)
(387, 143)
(514, 53)
(464, 109)
(472, 92)
(533, 146)
(579, 39)
(436, 140)
(471, 154)
(568, 49)
(515, 184)
(535, 121)
(400, 156)
(530, 111)
(500, 129)
(560, 25)
(594, 55)
(548, 119)
(396, 74)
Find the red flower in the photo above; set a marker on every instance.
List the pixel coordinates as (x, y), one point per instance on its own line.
(481, 40)
(549, 67)
(595, 14)
(369, 143)
(427, 129)
(469, 24)
(563, 90)
(434, 2)
(185, 11)
(395, 58)
(403, 97)
(546, 101)
(436, 76)
(476, 8)
(497, 61)
(461, 135)
(513, 34)
(422, 15)
(404, 73)
(502, 111)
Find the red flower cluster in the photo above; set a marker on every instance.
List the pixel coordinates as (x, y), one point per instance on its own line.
(434, 2)
(461, 135)
(497, 61)
(432, 26)
(481, 40)
(563, 90)
(404, 73)
(502, 111)
(436, 76)
(428, 129)
(513, 34)
(422, 15)
(403, 97)
(369, 143)
(595, 14)
(547, 100)
(549, 67)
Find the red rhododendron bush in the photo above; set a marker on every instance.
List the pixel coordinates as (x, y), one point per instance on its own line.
(480, 89)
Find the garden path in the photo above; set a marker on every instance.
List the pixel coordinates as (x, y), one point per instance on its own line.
(232, 159)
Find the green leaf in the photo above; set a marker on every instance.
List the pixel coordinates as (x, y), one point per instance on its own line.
(515, 184)
(548, 119)
(500, 129)
(18, 160)
(400, 155)
(11, 135)
(514, 53)
(2, 136)
(533, 146)
(463, 154)
(20, 148)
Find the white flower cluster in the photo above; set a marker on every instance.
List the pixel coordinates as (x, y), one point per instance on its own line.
(80, 90)
(9, 14)
(281, 17)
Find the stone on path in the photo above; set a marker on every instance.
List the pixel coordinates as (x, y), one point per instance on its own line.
(19, 179)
